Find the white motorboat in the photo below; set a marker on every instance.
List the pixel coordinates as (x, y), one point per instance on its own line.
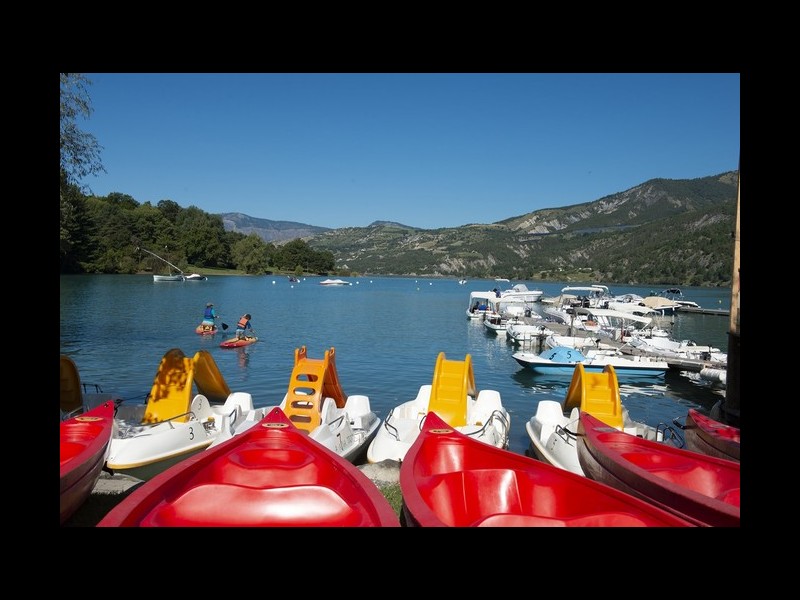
(521, 293)
(334, 282)
(633, 304)
(506, 304)
(479, 304)
(502, 313)
(553, 428)
(665, 347)
(526, 331)
(562, 308)
(562, 360)
(676, 295)
(455, 399)
(595, 295)
(582, 343)
(495, 323)
(195, 277)
(663, 306)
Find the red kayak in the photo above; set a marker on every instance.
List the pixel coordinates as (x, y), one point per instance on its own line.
(85, 440)
(206, 329)
(235, 342)
(698, 487)
(271, 475)
(449, 479)
(709, 436)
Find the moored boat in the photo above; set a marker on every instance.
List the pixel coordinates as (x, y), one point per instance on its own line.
(479, 304)
(176, 423)
(695, 486)
(334, 282)
(316, 403)
(178, 275)
(553, 429)
(170, 277)
(455, 398)
(85, 441)
(272, 475)
(449, 479)
(709, 436)
(562, 360)
(524, 332)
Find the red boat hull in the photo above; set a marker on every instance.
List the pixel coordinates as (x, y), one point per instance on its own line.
(706, 435)
(272, 475)
(694, 486)
(84, 443)
(206, 329)
(451, 479)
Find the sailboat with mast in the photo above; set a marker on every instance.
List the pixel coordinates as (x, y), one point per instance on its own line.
(172, 276)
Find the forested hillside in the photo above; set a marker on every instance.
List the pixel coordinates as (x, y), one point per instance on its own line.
(661, 232)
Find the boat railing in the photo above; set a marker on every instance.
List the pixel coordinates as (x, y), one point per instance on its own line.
(565, 434)
(191, 414)
(667, 433)
(391, 428)
(496, 414)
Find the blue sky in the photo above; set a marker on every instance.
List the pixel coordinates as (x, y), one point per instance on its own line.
(427, 150)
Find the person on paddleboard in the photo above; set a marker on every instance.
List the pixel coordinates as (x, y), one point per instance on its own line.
(208, 316)
(243, 325)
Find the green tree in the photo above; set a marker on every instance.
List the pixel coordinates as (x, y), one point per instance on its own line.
(170, 209)
(80, 156)
(202, 237)
(292, 254)
(250, 254)
(74, 229)
(80, 151)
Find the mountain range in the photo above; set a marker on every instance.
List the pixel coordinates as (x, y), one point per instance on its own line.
(663, 231)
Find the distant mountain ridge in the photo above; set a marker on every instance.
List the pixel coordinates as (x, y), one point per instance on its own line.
(269, 231)
(675, 231)
(280, 231)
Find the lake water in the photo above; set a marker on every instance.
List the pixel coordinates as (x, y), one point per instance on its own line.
(387, 333)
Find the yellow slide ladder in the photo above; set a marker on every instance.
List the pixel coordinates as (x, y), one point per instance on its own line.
(596, 394)
(311, 382)
(171, 394)
(453, 382)
(208, 379)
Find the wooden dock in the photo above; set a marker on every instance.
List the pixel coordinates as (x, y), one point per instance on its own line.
(704, 311)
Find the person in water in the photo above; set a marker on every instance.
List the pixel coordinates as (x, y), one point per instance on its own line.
(208, 316)
(243, 325)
